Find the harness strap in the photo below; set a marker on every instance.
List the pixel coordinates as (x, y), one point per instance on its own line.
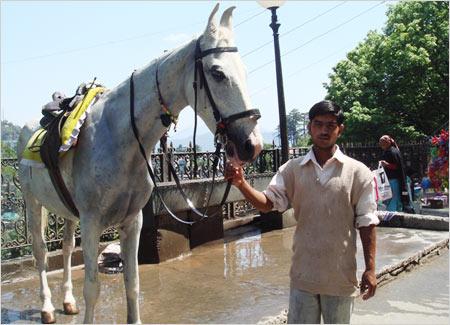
(220, 124)
(199, 67)
(189, 202)
(149, 168)
(167, 117)
(252, 113)
(194, 136)
(185, 197)
(200, 54)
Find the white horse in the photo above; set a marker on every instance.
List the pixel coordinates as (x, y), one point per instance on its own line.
(106, 173)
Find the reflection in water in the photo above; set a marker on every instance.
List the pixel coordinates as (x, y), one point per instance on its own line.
(243, 254)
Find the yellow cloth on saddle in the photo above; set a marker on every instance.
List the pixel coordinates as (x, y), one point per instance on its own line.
(71, 127)
(69, 132)
(31, 155)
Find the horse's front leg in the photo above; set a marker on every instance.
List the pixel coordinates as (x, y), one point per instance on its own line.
(90, 238)
(129, 241)
(69, 304)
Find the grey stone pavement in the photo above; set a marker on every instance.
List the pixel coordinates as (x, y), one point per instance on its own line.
(416, 297)
(245, 280)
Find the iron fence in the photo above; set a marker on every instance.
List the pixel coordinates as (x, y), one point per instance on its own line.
(16, 240)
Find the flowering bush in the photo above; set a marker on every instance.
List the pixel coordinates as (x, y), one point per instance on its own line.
(438, 167)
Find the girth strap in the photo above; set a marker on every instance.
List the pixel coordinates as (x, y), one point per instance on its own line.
(49, 152)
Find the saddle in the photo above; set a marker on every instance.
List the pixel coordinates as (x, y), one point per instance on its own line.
(56, 113)
(61, 103)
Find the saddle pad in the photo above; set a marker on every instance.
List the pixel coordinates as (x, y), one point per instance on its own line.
(31, 155)
(69, 133)
(71, 128)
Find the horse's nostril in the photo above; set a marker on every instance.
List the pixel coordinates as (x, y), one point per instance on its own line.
(249, 148)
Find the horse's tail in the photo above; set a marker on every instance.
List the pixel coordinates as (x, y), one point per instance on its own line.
(25, 135)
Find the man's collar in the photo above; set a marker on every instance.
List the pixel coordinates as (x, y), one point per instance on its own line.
(338, 155)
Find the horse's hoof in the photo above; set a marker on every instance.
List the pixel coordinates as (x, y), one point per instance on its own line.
(48, 317)
(70, 309)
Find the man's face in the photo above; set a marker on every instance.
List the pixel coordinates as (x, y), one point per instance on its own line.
(325, 131)
(384, 144)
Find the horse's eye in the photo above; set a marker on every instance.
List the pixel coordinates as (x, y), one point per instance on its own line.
(217, 74)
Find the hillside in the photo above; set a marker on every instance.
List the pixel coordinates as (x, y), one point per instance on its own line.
(10, 135)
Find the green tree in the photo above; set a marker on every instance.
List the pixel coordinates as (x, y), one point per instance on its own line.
(7, 151)
(304, 141)
(293, 123)
(396, 82)
(296, 126)
(267, 146)
(10, 132)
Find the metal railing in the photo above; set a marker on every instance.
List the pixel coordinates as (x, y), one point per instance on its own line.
(15, 237)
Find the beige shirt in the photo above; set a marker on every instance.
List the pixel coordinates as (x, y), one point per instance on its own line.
(325, 207)
(365, 207)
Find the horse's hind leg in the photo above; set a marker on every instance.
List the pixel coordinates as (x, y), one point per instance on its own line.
(69, 304)
(90, 238)
(129, 241)
(37, 226)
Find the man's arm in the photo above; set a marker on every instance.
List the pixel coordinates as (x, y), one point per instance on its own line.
(255, 197)
(369, 279)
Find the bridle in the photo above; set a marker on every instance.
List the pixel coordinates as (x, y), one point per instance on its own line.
(167, 118)
(222, 123)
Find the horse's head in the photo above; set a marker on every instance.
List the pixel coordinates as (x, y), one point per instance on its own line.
(222, 98)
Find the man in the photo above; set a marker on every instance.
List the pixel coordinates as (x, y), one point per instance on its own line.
(331, 194)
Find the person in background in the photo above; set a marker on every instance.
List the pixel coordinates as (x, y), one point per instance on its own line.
(332, 195)
(181, 166)
(392, 162)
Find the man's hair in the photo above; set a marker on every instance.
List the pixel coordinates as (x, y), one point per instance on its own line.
(327, 107)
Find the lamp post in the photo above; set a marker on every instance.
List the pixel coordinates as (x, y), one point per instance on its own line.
(273, 5)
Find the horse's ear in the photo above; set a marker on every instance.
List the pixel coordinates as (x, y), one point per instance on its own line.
(211, 29)
(225, 21)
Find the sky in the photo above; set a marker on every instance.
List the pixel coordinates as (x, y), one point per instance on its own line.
(55, 45)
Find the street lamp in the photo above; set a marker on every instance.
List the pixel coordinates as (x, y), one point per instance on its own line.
(273, 5)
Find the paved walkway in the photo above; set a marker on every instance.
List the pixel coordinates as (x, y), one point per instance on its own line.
(416, 297)
(240, 281)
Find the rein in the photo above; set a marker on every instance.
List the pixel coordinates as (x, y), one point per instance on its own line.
(220, 137)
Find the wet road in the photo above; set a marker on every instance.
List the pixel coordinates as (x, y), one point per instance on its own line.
(239, 281)
(417, 297)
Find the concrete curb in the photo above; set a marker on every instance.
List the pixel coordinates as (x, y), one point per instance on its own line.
(389, 272)
(416, 221)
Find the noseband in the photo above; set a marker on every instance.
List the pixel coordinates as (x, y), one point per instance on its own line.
(167, 118)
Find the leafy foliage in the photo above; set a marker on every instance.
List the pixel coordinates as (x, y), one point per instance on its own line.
(10, 132)
(7, 151)
(396, 82)
(10, 135)
(297, 132)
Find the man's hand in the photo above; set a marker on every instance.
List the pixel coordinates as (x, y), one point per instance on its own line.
(256, 198)
(235, 174)
(384, 163)
(369, 284)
